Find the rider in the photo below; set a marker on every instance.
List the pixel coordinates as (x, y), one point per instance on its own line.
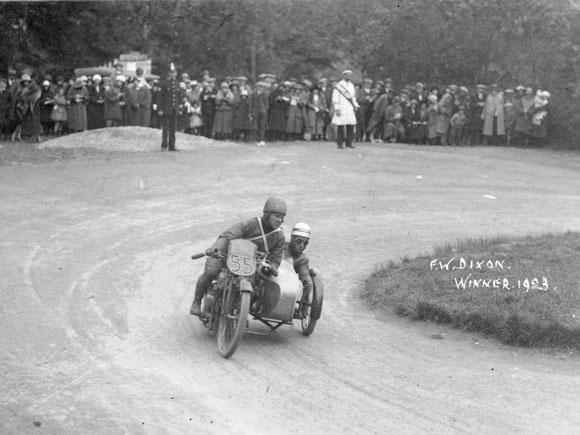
(299, 238)
(266, 232)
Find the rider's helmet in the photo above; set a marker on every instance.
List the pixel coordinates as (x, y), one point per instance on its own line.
(301, 229)
(275, 204)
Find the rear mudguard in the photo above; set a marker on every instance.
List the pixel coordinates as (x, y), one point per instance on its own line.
(318, 294)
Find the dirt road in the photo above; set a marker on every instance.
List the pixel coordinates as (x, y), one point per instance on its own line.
(95, 335)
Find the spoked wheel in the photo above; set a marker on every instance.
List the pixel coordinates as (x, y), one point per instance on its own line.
(308, 321)
(232, 322)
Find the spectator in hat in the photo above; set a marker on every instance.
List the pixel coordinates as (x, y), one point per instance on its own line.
(326, 92)
(445, 113)
(155, 92)
(259, 111)
(144, 100)
(510, 115)
(279, 102)
(539, 115)
(345, 107)
(59, 114)
(433, 120)
(394, 128)
(376, 122)
(96, 104)
(111, 107)
(457, 128)
(195, 119)
(493, 117)
(474, 116)
(29, 105)
(78, 98)
(523, 124)
(296, 114)
(364, 98)
(419, 94)
(316, 112)
(208, 106)
(223, 123)
(242, 113)
(17, 110)
(46, 102)
(131, 102)
(413, 116)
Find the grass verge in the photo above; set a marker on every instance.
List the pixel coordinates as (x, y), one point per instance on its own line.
(522, 291)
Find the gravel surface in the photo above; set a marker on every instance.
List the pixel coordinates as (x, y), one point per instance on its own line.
(95, 335)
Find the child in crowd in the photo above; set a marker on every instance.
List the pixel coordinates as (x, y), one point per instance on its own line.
(458, 123)
(195, 120)
(59, 112)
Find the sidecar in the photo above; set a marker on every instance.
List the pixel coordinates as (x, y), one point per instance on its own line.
(282, 300)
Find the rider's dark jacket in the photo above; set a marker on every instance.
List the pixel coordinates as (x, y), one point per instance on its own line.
(250, 230)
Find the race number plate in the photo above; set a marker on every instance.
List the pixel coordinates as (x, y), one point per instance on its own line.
(242, 257)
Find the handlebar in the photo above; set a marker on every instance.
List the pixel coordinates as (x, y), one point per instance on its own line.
(214, 254)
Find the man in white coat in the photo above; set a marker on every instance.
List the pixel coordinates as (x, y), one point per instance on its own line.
(345, 105)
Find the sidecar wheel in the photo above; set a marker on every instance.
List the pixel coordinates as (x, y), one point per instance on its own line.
(308, 320)
(232, 322)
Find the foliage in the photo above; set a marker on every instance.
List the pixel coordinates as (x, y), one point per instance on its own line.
(532, 42)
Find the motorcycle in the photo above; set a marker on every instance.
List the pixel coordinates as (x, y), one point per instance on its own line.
(247, 286)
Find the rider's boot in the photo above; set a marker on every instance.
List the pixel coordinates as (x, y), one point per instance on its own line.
(195, 309)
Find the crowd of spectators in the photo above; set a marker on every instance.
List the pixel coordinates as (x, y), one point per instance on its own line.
(32, 106)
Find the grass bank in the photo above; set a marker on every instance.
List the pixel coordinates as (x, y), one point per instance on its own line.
(522, 291)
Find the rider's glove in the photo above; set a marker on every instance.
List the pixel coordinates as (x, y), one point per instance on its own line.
(212, 252)
(269, 270)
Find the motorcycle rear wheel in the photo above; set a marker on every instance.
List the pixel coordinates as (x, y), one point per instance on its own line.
(232, 322)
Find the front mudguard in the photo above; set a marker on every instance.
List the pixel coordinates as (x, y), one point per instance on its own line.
(316, 311)
(246, 285)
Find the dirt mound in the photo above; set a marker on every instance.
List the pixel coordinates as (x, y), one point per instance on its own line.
(130, 139)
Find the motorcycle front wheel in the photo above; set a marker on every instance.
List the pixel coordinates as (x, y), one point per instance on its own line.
(232, 322)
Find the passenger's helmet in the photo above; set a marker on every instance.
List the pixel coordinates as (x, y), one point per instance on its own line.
(275, 204)
(301, 229)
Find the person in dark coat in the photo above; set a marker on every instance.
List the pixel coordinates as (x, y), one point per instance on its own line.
(78, 97)
(131, 103)
(144, 98)
(474, 119)
(259, 111)
(112, 108)
(155, 118)
(46, 103)
(29, 103)
(376, 123)
(223, 124)
(168, 108)
(243, 115)
(5, 107)
(96, 106)
(279, 103)
(208, 106)
(364, 98)
(316, 113)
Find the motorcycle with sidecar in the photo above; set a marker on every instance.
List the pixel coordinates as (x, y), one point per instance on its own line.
(245, 288)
